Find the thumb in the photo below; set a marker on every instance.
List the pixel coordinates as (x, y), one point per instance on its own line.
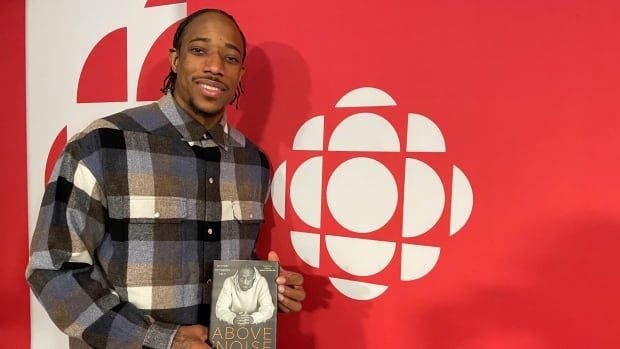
(273, 257)
(203, 333)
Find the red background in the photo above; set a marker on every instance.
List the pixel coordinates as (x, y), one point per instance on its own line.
(526, 95)
(15, 316)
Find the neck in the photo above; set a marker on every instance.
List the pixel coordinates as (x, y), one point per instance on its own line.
(207, 120)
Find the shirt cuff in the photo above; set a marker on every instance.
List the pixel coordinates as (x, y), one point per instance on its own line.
(258, 317)
(160, 335)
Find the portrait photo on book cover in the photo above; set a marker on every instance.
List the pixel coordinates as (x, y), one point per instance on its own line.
(245, 297)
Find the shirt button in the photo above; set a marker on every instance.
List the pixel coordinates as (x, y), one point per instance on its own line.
(156, 214)
(211, 180)
(209, 282)
(209, 231)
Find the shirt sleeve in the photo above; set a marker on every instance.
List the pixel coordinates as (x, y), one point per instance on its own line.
(224, 302)
(64, 275)
(265, 303)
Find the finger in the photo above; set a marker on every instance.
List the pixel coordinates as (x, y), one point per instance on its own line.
(283, 309)
(273, 256)
(197, 331)
(296, 293)
(204, 335)
(289, 303)
(290, 278)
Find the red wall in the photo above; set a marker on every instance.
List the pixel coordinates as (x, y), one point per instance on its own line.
(15, 317)
(526, 95)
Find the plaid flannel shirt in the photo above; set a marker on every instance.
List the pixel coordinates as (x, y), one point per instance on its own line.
(139, 205)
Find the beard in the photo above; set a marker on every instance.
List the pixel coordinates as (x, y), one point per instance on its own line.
(204, 113)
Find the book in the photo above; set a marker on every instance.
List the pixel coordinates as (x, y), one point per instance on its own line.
(244, 305)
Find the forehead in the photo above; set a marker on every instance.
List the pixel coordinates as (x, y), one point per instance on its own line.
(214, 26)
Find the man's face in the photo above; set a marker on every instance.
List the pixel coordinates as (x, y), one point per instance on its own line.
(208, 65)
(245, 277)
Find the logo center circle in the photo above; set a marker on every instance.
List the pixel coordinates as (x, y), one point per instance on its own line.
(362, 194)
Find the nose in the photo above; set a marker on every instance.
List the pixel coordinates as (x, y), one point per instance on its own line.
(214, 64)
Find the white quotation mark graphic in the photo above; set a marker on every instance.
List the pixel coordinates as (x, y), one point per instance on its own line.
(362, 194)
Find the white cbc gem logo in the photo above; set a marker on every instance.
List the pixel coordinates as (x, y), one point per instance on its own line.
(362, 194)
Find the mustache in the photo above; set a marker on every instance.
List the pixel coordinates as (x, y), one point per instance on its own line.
(213, 79)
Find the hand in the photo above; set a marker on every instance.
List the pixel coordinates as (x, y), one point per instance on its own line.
(290, 287)
(243, 319)
(191, 337)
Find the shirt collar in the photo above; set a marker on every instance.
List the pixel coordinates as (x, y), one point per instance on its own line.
(190, 129)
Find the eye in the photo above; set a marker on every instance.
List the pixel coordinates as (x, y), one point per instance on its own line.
(198, 51)
(232, 60)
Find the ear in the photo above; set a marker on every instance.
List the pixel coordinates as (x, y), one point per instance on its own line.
(173, 59)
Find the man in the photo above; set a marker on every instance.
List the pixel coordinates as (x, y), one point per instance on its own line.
(141, 202)
(245, 298)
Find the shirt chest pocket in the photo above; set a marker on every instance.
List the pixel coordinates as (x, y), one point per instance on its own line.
(149, 240)
(240, 228)
(243, 212)
(157, 210)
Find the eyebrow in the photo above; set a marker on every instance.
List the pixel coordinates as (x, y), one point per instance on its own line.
(208, 40)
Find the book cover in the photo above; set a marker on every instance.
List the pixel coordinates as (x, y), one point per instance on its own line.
(244, 305)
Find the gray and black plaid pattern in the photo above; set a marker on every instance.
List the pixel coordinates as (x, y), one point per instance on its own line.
(139, 205)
